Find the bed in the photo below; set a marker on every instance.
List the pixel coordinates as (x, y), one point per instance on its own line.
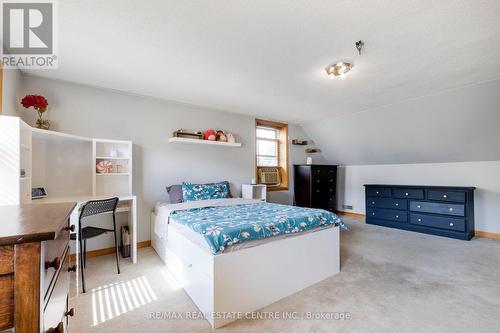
(234, 256)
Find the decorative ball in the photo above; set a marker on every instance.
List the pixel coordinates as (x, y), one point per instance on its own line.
(210, 135)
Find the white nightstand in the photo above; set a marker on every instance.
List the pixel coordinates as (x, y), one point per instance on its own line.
(253, 191)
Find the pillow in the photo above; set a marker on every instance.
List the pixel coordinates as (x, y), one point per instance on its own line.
(175, 193)
(194, 192)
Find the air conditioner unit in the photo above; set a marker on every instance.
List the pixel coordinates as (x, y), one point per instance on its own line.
(269, 176)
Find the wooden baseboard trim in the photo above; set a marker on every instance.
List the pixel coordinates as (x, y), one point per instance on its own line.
(486, 234)
(109, 250)
(356, 215)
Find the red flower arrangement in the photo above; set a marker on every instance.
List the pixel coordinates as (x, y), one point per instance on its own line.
(39, 103)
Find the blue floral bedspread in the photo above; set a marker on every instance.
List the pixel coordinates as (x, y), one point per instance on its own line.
(227, 225)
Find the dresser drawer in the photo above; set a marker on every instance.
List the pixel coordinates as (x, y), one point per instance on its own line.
(437, 208)
(54, 251)
(387, 214)
(448, 223)
(446, 196)
(387, 203)
(6, 301)
(408, 193)
(378, 192)
(54, 313)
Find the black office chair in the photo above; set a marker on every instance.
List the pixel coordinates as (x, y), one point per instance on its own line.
(95, 207)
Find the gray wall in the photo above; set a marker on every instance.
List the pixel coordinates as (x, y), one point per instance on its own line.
(11, 92)
(149, 122)
(453, 126)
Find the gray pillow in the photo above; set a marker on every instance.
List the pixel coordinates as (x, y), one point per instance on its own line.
(175, 193)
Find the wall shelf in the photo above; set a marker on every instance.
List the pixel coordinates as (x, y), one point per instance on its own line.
(111, 158)
(112, 174)
(204, 142)
(38, 133)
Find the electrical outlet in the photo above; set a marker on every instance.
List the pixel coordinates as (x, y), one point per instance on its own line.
(347, 207)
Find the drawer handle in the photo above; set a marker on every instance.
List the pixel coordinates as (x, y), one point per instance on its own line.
(70, 313)
(418, 206)
(406, 193)
(58, 329)
(419, 220)
(373, 202)
(445, 196)
(55, 264)
(397, 216)
(373, 214)
(190, 265)
(72, 268)
(451, 209)
(397, 205)
(376, 192)
(70, 228)
(451, 224)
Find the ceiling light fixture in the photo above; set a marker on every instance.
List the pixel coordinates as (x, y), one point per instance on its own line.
(338, 70)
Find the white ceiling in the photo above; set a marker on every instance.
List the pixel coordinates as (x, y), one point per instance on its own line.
(267, 58)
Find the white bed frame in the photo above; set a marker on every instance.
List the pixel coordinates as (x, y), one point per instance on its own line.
(251, 278)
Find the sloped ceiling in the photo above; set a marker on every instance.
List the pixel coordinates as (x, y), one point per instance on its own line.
(453, 126)
(267, 58)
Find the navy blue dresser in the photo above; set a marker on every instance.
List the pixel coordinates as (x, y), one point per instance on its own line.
(436, 210)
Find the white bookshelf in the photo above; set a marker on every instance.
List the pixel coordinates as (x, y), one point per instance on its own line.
(119, 154)
(203, 142)
(64, 164)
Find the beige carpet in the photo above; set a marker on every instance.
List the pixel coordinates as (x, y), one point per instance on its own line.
(390, 281)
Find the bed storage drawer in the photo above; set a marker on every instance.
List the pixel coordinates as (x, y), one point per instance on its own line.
(448, 223)
(408, 193)
(451, 196)
(378, 192)
(388, 214)
(437, 208)
(387, 203)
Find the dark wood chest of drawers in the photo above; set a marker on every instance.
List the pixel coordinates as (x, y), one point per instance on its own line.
(34, 268)
(437, 210)
(315, 186)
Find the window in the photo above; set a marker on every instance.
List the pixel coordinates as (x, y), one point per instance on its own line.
(271, 154)
(267, 146)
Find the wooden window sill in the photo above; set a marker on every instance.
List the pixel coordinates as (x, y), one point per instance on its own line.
(277, 188)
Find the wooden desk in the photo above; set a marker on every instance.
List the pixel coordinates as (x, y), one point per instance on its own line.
(126, 203)
(34, 267)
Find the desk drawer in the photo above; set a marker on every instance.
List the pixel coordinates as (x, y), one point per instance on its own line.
(446, 196)
(437, 208)
(387, 214)
(55, 310)
(387, 203)
(448, 223)
(377, 192)
(409, 193)
(54, 251)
